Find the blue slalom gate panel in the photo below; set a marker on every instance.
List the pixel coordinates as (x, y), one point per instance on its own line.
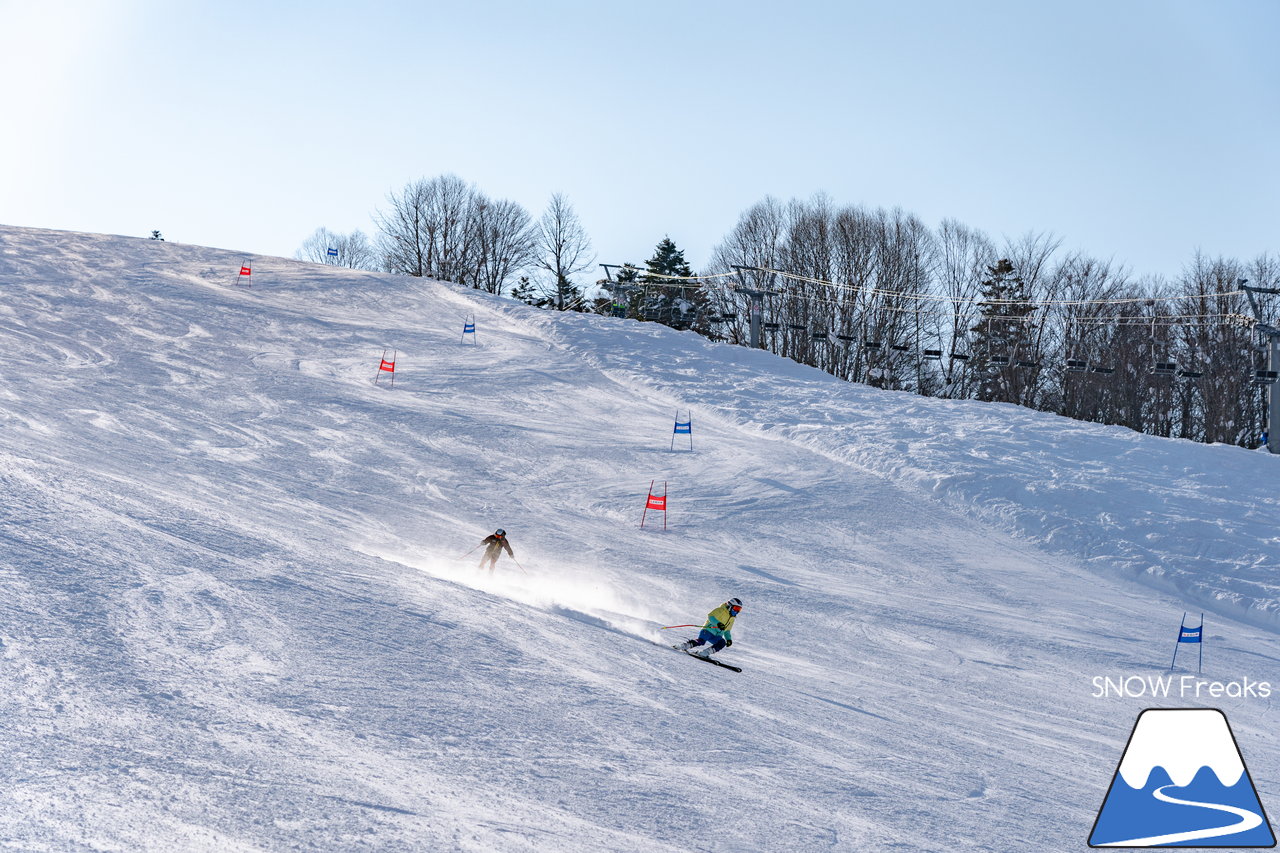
(684, 427)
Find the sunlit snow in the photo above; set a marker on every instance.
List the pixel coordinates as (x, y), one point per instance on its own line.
(233, 614)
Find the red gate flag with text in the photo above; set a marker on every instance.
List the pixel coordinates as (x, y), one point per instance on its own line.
(657, 503)
(387, 366)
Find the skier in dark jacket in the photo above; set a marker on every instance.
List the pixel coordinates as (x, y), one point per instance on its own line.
(495, 544)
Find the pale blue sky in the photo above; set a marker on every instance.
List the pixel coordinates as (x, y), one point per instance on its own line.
(1136, 130)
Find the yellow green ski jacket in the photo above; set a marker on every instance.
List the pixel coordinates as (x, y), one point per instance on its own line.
(720, 622)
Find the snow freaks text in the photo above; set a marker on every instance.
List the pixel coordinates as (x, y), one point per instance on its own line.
(1177, 686)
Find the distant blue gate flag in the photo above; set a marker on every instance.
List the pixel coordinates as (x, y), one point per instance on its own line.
(469, 328)
(333, 253)
(682, 428)
(1189, 635)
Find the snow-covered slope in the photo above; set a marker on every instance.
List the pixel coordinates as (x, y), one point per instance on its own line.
(233, 617)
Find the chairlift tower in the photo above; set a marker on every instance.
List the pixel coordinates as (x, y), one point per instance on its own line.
(1273, 364)
(756, 310)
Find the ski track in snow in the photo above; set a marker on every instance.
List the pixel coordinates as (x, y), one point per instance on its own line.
(233, 617)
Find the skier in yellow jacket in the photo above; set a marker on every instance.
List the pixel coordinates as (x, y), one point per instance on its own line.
(717, 634)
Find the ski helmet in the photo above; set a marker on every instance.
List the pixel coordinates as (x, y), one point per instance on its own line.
(499, 532)
(735, 603)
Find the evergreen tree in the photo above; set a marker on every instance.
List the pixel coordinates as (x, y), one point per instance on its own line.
(530, 294)
(568, 296)
(1003, 331)
(155, 235)
(671, 301)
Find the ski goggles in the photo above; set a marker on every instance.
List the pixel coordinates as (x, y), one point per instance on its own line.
(735, 609)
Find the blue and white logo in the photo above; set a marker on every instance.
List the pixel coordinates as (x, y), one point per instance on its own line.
(1182, 783)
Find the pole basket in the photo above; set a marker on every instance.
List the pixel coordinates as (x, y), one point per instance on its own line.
(657, 503)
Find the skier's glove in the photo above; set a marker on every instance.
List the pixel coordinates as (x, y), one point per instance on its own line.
(720, 625)
(728, 643)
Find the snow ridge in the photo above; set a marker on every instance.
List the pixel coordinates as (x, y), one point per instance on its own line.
(1176, 515)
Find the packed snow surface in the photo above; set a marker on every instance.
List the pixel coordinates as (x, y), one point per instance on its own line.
(234, 613)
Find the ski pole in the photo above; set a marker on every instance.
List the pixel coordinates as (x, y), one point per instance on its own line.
(517, 562)
(469, 553)
(665, 627)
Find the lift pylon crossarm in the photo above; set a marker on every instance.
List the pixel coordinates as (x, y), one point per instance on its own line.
(1257, 311)
(608, 269)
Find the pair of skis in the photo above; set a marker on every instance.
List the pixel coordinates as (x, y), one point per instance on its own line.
(708, 659)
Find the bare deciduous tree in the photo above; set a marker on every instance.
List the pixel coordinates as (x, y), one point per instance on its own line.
(451, 205)
(882, 279)
(505, 242)
(964, 254)
(354, 250)
(427, 230)
(565, 249)
(1227, 409)
(404, 239)
(755, 241)
(444, 228)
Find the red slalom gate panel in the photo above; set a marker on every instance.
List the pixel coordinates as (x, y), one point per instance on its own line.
(387, 367)
(657, 503)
